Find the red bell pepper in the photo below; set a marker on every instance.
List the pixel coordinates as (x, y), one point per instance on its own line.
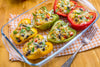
(84, 25)
(60, 11)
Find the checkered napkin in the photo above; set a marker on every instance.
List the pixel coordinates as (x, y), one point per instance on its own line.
(95, 42)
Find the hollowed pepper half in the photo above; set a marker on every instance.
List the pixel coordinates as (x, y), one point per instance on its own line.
(37, 47)
(44, 19)
(81, 18)
(23, 32)
(63, 7)
(61, 32)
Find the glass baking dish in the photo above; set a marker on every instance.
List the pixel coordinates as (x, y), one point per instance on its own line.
(16, 53)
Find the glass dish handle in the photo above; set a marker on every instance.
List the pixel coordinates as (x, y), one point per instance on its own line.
(11, 50)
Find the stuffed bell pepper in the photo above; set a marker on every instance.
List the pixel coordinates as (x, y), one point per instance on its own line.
(23, 32)
(81, 18)
(63, 7)
(37, 47)
(43, 19)
(61, 32)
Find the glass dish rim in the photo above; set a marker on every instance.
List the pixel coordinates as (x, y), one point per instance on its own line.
(54, 54)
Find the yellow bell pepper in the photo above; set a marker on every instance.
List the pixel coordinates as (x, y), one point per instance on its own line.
(37, 51)
(23, 32)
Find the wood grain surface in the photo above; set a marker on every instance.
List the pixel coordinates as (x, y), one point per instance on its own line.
(90, 58)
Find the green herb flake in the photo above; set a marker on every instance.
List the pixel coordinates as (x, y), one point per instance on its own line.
(32, 40)
(43, 43)
(37, 36)
(86, 20)
(63, 30)
(36, 20)
(53, 36)
(58, 26)
(14, 32)
(76, 16)
(35, 44)
(91, 16)
(52, 11)
(28, 28)
(43, 8)
(33, 14)
(22, 31)
(33, 49)
(82, 17)
(68, 11)
(42, 15)
(32, 32)
(16, 38)
(29, 43)
(62, 3)
(67, 3)
(57, 10)
(78, 13)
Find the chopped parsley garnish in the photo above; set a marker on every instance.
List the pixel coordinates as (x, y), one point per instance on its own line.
(86, 20)
(14, 32)
(62, 4)
(58, 26)
(28, 28)
(91, 16)
(57, 10)
(33, 14)
(53, 36)
(22, 31)
(36, 20)
(43, 43)
(81, 17)
(67, 3)
(37, 36)
(68, 10)
(35, 44)
(42, 15)
(29, 43)
(76, 16)
(63, 30)
(32, 32)
(78, 13)
(33, 49)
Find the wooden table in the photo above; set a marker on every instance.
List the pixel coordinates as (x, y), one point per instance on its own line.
(89, 58)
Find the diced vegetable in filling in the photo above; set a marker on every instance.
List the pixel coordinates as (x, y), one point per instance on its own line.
(42, 16)
(37, 43)
(64, 6)
(79, 16)
(23, 31)
(61, 32)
